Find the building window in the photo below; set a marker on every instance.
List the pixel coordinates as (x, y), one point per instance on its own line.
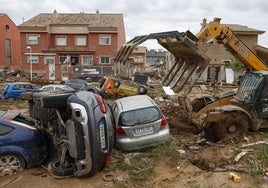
(105, 40)
(104, 60)
(80, 40)
(61, 41)
(33, 59)
(8, 52)
(49, 59)
(7, 27)
(87, 61)
(8, 61)
(138, 59)
(8, 46)
(74, 59)
(32, 39)
(63, 59)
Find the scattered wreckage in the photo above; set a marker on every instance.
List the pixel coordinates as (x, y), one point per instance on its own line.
(114, 88)
(224, 116)
(81, 129)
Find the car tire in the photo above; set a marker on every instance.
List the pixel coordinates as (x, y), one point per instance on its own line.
(142, 90)
(58, 172)
(11, 164)
(117, 84)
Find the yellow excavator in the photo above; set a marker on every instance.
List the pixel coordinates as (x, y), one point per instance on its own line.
(224, 116)
(230, 115)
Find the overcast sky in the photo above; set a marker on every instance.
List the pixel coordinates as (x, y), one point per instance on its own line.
(143, 17)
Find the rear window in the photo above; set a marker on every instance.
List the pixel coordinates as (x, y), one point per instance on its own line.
(5, 88)
(5, 129)
(140, 116)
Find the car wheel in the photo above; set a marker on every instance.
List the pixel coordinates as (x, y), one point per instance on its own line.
(117, 84)
(59, 172)
(142, 90)
(11, 164)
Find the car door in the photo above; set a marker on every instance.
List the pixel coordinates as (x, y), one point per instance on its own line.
(15, 91)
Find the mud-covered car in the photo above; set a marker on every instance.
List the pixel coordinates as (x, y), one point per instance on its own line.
(114, 88)
(139, 123)
(22, 143)
(81, 128)
(15, 89)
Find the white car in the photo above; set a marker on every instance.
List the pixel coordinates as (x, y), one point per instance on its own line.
(139, 123)
(57, 87)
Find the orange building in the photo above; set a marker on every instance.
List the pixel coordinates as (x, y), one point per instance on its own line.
(60, 46)
(10, 54)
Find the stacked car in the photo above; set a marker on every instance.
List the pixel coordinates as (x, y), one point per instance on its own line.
(80, 130)
(22, 143)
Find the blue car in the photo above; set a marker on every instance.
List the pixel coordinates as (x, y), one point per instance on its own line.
(14, 89)
(22, 145)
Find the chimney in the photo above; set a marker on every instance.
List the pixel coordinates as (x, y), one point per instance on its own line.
(218, 20)
(204, 24)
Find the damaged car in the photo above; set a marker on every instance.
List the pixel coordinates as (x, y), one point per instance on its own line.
(139, 123)
(81, 127)
(22, 143)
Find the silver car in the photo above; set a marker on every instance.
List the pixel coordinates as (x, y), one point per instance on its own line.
(57, 87)
(139, 123)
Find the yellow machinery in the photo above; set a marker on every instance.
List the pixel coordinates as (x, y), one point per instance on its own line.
(226, 115)
(114, 88)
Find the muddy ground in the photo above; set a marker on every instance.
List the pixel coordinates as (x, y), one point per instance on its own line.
(203, 164)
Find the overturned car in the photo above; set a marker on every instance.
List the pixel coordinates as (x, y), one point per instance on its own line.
(80, 125)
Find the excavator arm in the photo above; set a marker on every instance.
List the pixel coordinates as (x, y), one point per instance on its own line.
(222, 34)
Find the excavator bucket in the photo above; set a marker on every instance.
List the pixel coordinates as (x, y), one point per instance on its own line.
(189, 64)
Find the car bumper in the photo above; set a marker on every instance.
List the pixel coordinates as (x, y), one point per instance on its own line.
(144, 142)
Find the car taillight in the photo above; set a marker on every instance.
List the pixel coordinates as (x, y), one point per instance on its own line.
(101, 103)
(120, 131)
(163, 122)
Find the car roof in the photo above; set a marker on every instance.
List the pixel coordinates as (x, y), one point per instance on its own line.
(55, 85)
(134, 102)
(76, 79)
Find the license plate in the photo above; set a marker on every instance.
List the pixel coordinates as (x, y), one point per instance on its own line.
(102, 135)
(143, 131)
